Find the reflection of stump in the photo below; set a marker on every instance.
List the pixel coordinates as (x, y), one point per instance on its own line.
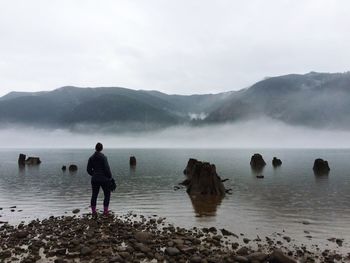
(132, 161)
(321, 167)
(206, 205)
(21, 159)
(257, 161)
(202, 179)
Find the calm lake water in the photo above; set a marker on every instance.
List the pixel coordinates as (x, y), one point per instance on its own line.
(286, 199)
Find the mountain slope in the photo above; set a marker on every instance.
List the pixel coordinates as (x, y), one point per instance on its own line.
(69, 106)
(313, 99)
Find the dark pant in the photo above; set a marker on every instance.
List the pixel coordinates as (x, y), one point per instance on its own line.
(96, 189)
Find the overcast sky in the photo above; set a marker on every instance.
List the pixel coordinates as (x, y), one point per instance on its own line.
(178, 46)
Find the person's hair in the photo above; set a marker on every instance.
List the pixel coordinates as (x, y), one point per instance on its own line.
(99, 147)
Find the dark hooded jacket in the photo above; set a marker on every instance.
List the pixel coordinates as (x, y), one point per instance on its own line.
(98, 167)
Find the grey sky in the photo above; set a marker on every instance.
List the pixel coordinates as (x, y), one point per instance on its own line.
(177, 46)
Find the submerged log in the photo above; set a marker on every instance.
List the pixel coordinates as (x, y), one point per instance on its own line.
(202, 179)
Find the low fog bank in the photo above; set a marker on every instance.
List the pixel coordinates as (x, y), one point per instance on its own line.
(261, 133)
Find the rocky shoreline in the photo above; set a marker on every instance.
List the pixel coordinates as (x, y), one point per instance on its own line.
(134, 238)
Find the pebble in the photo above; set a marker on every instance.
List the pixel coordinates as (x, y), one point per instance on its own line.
(143, 237)
(85, 251)
(196, 259)
(287, 238)
(246, 240)
(241, 259)
(172, 251)
(242, 251)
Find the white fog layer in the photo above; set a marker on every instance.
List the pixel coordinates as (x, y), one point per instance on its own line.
(252, 134)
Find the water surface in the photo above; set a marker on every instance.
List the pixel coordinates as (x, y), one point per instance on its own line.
(286, 199)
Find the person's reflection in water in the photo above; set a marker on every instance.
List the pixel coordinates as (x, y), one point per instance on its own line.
(205, 205)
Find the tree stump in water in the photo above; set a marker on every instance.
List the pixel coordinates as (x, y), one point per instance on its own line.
(321, 166)
(257, 161)
(33, 161)
(73, 168)
(132, 161)
(276, 162)
(21, 159)
(202, 179)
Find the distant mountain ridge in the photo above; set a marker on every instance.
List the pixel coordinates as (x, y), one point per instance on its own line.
(314, 99)
(69, 106)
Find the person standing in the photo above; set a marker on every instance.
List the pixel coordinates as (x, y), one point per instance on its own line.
(100, 172)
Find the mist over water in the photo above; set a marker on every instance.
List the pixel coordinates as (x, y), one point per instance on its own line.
(262, 133)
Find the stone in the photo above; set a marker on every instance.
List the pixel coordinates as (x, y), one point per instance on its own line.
(242, 251)
(124, 254)
(226, 232)
(287, 238)
(279, 257)
(339, 242)
(5, 254)
(64, 168)
(143, 236)
(76, 211)
(195, 259)
(22, 234)
(84, 251)
(241, 259)
(143, 248)
(276, 162)
(257, 256)
(246, 240)
(172, 251)
(235, 245)
(115, 258)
